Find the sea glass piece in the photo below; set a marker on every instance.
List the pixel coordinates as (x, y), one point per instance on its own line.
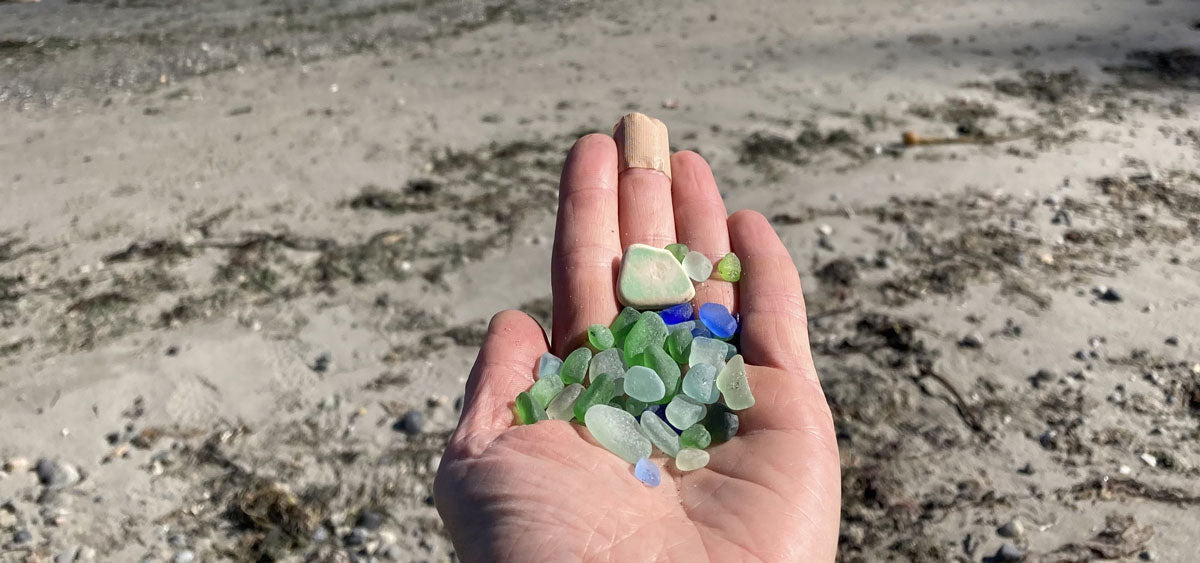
(697, 266)
(618, 432)
(648, 332)
(730, 351)
(562, 406)
(600, 337)
(546, 388)
(733, 384)
(717, 319)
(643, 384)
(659, 433)
(528, 409)
(674, 315)
(684, 411)
(707, 351)
(647, 472)
(679, 250)
(634, 406)
(686, 326)
(730, 268)
(700, 330)
(575, 367)
(691, 459)
(652, 278)
(549, 364)
(667, 369)
(722, 424)
(700, 383)
(621, 325)
(679, 344)
(696, 436)
(608, 361)
(600, 392)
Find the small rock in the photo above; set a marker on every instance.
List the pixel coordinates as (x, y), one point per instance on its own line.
(458, 403)
(172, 350)
(1011, 529)
(1111, 295)
(185, 556)
(1043, 376)
(86, 554)
(67, 556)
(320, 534)
(55, 474)
(321, 364)
(16, 465)
(1149, 460)
(1009, 553)
(357, 536)
(971, 340)
(437, 401)
(1027, 469)
(1049, 439)
(412, 423)
(1172, 341)
(369, 519)
(1081, 355)
(1147, 556)
(22, 537)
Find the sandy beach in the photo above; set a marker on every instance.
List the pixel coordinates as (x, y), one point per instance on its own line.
(241, 243)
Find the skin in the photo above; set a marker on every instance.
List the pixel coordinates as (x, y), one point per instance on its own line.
(547, 492)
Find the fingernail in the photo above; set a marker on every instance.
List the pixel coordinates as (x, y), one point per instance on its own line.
(642, 143)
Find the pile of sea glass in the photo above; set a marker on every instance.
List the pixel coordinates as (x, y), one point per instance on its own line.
(657, 375)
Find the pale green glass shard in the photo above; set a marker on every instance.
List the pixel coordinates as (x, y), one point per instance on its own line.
(730, 351)
(691, 459)
(697, 266)
(546, 388)
(548, 364)
(679, 250)
(621, 325)
(707, 351)
(658, 360)
(696, 436)
(663, 437)
(600, 337)
(652, 278)
(730, 268)
(634, 406)
(700, 383)
(562, 406)
(609, 361)
(618, 432)
(684, 411)
(528, 409)
(600, 392)
(574, 368)
(643, 384)
(685, 326)
(679, 345)
(649, 331)
(733, 384)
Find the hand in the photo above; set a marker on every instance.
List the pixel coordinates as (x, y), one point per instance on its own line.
(548, 492)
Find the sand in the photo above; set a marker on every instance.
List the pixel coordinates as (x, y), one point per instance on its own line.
(239, 243)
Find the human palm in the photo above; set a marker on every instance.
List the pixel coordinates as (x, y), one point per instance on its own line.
(548, 492)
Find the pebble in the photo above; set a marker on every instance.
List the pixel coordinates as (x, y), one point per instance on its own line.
(684, 411)
(22, 537)
(562, 407)
(1009, 553)
(618, 432)
(1147, 556)
(1172, 341)
(643, 384)
(697, 266)
(357, 536)
(369, 519)
(1110, 295)
(1043, 376)
(700, 383)
(971, 340)
(1011, 529)
(691, 459)
(412, 423)
(722, 424)
(733, 385)
(1027, 469)
(1049, 439)
(55, 474)
(322, 363)
(185, 556)
(661, 435)
(647, 472)
(16, 465)
(652, 278)
(717, 319)
(67, 556)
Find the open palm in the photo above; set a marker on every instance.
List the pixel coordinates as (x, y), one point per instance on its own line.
(548, 492)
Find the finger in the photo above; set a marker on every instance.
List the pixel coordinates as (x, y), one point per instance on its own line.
(644, 181)
(774, 323)
(700, 220)
(503, 368)
(587, 248)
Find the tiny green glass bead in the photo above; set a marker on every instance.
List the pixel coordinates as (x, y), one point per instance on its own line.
(575, 367)
(730, 268)
(545, 389)
(678, 249)
(599, 393)
(678, 343)
(696, 436)
(600, 337)
(622, 324)
(528, 409)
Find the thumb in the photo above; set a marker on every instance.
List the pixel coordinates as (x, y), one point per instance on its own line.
(503, 369)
